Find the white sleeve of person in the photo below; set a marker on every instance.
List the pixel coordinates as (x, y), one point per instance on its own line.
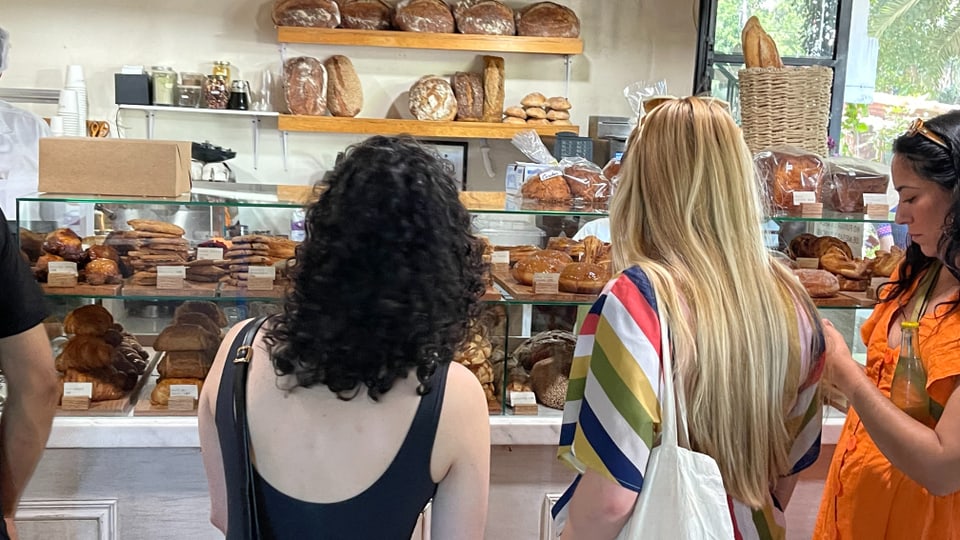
(598, 227)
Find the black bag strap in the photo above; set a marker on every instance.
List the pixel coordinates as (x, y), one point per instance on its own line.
(241, 353)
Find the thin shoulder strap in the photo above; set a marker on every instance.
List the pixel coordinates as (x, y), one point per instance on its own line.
(923, 290)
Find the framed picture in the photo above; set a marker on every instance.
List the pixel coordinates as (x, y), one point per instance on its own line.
(456, 154)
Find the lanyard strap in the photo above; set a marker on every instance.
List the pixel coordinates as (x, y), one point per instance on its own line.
(923, 290)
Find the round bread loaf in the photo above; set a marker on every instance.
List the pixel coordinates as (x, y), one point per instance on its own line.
(534, 99)
(516, 112)
(489, 17)
(432, 99)
(547, 19)
(309, 13)
(365, 14)
(584, 278)
(818, 283)
(430, 16)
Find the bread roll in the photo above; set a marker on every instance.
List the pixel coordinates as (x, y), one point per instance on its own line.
(365, 14)
(310, 13)
(559, 103)
(534, 99)
(431, 16)
(305, 86)
(535, 112)
(818, 283)
(516, 112)
(468, 89)
(489, 17)
(432, 99)
(554, 114)
(584, 278)
(90, 320)
(101, 271)
(64, 243)
(514, 120)
(493, 94)
(537, 122)
(547, 19)
(344, 92)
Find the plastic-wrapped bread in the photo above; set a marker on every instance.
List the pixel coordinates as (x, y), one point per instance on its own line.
(305, 86)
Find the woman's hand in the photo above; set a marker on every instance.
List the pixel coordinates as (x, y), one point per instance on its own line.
(841, 369)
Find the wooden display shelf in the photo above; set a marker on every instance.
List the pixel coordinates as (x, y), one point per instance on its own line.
(82, 289)
(417, 128)
(525, 293)
(846, 300)
(416, 40)
(145, 407)
(279, 291)
(200, 290)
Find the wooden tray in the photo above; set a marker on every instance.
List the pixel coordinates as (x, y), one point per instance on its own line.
(491, 295)
(145, 407)
(200, 290)
(523, 292)
(846, 300)
(233, 291)
(83, 289)
(115, 407)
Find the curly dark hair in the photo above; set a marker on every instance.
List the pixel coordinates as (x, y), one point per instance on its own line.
(936, 164)
(388, 277)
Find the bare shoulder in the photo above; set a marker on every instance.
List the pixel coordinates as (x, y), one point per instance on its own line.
(464, 425)
(463, 389)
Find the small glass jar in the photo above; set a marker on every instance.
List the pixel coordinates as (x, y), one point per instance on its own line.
(216, 95)
(164, 81)
(222, 67)
(190, 89)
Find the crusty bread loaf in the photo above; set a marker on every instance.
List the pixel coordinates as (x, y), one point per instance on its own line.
(183, 337)
(516, 112)
(818, 283)
(431, 16)
(192, 364)
(558, 103)
(759, 49)
(468, 89)
(547, 19)
(490, 17)
(493, 93)
(199, 319)
(310, 13)
(305, 86)
(344, 92)
(535, 112)
(534, 99)
(149, 225)
(365, 14)
(209, 309)
(432, 98)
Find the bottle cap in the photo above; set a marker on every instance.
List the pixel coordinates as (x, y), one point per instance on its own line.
(910, 324)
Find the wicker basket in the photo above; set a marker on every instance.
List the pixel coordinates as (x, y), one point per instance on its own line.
(786, 107)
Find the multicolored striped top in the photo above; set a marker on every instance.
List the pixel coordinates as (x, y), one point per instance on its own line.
(612, 413)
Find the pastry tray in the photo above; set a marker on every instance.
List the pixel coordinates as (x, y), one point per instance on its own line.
(523, 292)
(83, 289)
(145, 407)
(199, 290)
(115, 407)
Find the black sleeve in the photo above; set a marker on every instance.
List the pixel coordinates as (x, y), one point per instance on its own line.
(21, 303)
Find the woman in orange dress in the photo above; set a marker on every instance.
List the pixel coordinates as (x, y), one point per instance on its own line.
(894, 477)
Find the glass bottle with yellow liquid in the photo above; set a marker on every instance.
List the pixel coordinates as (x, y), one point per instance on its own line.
(908, 390)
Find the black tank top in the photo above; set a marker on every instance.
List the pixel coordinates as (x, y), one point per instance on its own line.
(387, 509)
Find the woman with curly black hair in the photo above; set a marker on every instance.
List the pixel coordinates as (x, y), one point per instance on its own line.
(896, 473)
(360, 418)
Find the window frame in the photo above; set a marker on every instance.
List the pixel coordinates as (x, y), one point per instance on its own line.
(707, 57)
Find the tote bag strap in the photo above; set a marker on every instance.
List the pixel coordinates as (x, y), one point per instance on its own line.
(673, 413)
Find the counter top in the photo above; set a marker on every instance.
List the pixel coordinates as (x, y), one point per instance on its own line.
(181, 432)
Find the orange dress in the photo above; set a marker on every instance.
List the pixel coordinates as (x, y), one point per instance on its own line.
(865, 497)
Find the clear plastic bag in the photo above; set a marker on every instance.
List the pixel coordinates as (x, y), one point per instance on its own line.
(586, 180)
(851, 182)
(639, 92)
(305, 86)
(790, 177)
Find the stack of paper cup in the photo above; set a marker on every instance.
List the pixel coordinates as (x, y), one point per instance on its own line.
(70, 112)
(56, 126)
(76, 82)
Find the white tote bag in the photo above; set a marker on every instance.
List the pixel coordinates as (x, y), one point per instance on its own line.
(683, 495)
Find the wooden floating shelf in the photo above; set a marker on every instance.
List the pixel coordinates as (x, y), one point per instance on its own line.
(418, 40)
(417, 128)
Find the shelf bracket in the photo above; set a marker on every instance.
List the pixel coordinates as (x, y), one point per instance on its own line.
(283, 148)
(151, 118)
(568, 73)
(256, 141)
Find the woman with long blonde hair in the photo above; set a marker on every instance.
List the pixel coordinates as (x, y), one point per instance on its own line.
(747, 341)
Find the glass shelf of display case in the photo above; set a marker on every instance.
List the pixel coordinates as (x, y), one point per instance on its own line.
(830, 216)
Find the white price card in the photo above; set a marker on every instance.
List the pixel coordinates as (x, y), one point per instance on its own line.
(500, 257)
(801, 197)
(62, 267)
(209, 254)
(546, 283)
(874, 198)
(522, 398)
(171, 277)
(78, 389)
(184, 390)
(261, 278)
(62, 274)
(810, 263)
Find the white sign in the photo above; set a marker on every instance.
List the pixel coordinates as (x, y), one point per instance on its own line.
(801, 197)
(78, 389)
(501, 257)
(184, 390)
(209, 254)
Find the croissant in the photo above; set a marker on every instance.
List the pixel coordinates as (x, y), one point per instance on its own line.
(824, 243)
(86, 353)
(104, 384)
(91, 320)
(885, 263)
(835, 261)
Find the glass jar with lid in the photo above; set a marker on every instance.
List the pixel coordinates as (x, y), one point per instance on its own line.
(164, 80)
(216, 95)
(222, 68)
(190, 89)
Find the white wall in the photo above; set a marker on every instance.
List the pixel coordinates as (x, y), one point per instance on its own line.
(624, 41)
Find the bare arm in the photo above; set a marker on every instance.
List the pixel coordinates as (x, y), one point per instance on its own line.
(931, 457)
(32, 395)
(463, 442)
(598, 509)
(209, 438)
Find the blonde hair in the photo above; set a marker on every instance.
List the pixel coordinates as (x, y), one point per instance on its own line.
(688, 212)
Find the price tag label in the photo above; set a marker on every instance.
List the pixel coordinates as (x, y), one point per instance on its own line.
(78, 389)
(501, 257)
(522, 398)
(546, 175)
(811, 263)
(546, 283)
(811, 209)
(878, 211)
(209, 254)
(62, 274)
(803, 197)
(171, 277)
(874, 198)
(261, 278)
(184, 390)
